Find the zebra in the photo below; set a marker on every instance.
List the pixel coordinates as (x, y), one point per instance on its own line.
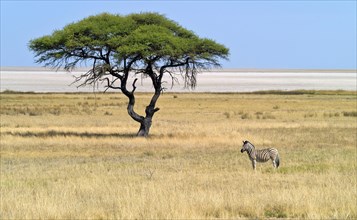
(261, 155)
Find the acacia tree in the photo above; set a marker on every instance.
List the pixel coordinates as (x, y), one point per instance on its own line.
(120, 47)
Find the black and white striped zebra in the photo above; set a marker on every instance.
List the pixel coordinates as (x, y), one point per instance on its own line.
(261, 155)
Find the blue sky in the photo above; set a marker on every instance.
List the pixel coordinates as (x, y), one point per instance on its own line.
(259, 34)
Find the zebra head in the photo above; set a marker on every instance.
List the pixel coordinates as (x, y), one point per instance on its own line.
(246, 146)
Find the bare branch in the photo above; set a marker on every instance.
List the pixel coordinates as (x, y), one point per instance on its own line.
(173, 79)
(134, 87)
(109, 84)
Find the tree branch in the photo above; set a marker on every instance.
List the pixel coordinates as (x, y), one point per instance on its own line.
(110, 84)
(134, 87)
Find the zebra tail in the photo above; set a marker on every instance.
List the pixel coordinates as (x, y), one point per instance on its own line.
(277, 161)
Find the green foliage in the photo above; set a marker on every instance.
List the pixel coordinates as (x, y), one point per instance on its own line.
(107, 38)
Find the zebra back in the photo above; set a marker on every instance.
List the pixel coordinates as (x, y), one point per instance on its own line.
(264, 155)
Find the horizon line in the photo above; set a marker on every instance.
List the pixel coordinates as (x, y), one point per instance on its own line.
(81, 69)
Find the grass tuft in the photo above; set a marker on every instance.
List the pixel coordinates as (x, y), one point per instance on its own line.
(275, 211)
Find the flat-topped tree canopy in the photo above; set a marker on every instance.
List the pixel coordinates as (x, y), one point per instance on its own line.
(116, 46)
(114, 39)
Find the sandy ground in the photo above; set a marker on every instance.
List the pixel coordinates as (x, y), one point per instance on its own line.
(45, 80)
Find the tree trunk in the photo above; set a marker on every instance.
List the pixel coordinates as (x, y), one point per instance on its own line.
(145, 124)
(144, 127)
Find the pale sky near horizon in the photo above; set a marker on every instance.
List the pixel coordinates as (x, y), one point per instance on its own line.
(259, 34)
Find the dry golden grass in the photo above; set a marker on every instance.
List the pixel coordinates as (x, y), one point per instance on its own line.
(73, 156)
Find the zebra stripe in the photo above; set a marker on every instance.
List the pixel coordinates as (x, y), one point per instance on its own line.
(262, 155)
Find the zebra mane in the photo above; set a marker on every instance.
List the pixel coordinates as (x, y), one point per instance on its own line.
(247, 142)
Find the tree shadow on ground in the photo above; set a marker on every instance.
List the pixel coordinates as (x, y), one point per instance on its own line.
(53, 133)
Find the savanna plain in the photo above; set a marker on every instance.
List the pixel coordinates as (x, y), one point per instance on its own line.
(75, 156)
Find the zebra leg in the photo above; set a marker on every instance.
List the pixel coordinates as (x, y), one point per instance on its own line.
(254, 162)
(274, 164)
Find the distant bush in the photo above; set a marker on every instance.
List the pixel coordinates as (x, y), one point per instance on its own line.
(310, 115)
(228, 114)
(268, 116)
(34, 113)
(8, 91)
(261, 115)
(350, 114)
(246, 116)
(108, 113)
(303, 92)
(331, 114)
(55, 111)
(281, 92)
